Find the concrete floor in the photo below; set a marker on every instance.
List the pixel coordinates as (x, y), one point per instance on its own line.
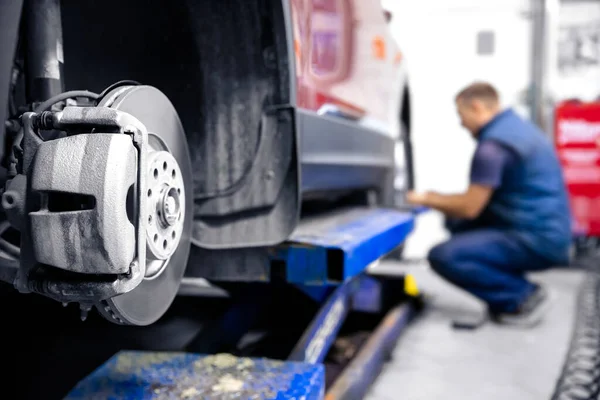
(433, 361)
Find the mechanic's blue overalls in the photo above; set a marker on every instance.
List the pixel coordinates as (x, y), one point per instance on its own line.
(525, 227)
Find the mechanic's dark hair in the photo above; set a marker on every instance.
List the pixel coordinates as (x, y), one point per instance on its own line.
(482, 91)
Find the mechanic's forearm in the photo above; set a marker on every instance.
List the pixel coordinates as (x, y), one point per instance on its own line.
(453, 205)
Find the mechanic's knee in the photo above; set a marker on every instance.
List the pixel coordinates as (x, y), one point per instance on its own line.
(442, 257)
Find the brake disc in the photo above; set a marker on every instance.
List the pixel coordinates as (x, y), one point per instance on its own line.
(169, 206)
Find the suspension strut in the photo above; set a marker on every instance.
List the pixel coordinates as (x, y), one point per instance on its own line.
(44, 48)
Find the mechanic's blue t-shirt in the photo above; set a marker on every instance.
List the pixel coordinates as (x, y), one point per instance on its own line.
(489, 163)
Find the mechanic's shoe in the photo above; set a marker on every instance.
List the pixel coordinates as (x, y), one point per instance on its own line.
(530, 312)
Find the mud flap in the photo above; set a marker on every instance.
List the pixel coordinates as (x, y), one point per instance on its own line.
(263, 209)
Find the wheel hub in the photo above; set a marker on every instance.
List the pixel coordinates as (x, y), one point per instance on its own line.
(170, 206)
(166, 211)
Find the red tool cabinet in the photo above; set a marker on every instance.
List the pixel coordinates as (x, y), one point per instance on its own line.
(577, 130)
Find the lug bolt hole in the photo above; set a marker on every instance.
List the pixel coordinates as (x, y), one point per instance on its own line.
(178, 191)
(173, 174)
(165, 243)
(173, 235)
(155, 173)
(165, 166)
(155, 238)
(149, 219)
(149, 192)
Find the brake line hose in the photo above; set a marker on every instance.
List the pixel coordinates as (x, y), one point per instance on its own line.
(580, 376)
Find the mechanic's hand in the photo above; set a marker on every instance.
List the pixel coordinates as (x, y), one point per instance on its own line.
(416, 198)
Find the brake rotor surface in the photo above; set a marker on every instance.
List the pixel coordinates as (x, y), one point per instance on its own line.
(169, 203)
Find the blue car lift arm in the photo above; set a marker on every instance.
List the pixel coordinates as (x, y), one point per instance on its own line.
(327, 258)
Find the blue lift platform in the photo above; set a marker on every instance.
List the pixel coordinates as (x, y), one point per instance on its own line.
(326, 259)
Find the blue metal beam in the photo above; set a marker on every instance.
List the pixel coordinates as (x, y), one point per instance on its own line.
(147, 375)
(362, 293)
(327, 250)
(359, 375)
(320, 335)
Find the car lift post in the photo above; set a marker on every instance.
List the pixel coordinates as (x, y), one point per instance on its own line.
(327, 258)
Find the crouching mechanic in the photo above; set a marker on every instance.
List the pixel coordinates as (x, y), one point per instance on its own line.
(514, 217)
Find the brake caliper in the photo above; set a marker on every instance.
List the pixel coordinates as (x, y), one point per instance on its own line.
(83, 236)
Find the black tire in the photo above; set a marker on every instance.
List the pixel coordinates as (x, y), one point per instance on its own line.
(398, 253)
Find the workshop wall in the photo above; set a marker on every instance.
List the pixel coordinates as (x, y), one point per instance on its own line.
(577, 67)
(448, 45)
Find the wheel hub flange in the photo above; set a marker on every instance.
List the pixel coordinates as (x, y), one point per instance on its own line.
(166, 210)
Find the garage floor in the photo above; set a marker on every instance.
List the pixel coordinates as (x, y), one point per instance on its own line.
(433, 361)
